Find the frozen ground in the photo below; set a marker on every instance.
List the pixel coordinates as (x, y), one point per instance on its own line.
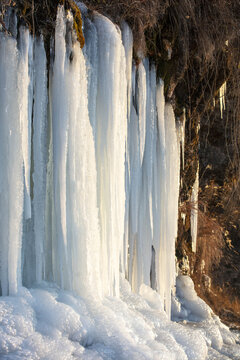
(49, 323)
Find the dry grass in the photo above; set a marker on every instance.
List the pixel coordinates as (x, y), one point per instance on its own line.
(225, 304)
(210, 243)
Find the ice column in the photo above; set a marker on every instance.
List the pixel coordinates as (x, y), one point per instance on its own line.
(91, 55)
(39, 154)
(76, 238)
(166, 191)
(134, 166)
(60, 136)
(82, 213)
(127, 39)
(111, 129)
(172, 193)
(153, 164)
(25, 103)
(11, 163)
(145, 222)
(160, 199)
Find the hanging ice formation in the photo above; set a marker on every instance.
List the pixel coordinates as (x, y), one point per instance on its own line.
(194, 206)
(194, 211)
(222, 94)
(90, 163)
(181, 135)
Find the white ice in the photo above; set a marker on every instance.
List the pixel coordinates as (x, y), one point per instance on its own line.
(194, 211)
(25, 89)
(39, 154)
(111, 129)
(11, 163)
(222, 95)
(90, 162)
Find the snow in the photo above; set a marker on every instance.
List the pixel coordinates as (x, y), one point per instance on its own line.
(192, 307)
(49, 323)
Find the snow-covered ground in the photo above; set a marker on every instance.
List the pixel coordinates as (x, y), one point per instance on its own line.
(49, 323)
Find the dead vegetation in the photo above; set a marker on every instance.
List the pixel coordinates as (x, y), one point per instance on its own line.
(224, 303)
(141, 15)
(210, 244)
(215, 267)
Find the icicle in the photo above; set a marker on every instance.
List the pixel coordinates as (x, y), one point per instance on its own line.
(25, 101)
(141, 101)
(60, 116)
(166, 189)
(194, 211)
(182, 134)
(49, 254)
(127, 39)
(222, 95)
(172, 192)
(39, 153)
(145, 221)
(134, 192)
(91, 56)
(160, 213)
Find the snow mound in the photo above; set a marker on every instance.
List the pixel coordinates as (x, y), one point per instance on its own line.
(50, 323)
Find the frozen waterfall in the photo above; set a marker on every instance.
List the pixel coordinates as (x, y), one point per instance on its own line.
(87, 163)
(89, 184)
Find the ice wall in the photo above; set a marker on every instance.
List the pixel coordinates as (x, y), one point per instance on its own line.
(75, 236)
(90, 163)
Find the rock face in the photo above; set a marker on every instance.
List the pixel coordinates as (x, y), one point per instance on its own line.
(195, 46)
